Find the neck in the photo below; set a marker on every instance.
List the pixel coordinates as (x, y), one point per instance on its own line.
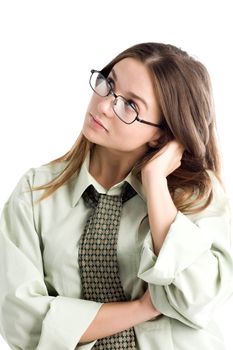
(109, 167)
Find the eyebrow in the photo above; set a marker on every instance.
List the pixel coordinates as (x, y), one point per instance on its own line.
(132, 94)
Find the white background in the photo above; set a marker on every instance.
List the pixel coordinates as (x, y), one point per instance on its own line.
(47, 49)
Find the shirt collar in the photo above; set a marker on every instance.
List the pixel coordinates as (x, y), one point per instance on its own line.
(85, 179)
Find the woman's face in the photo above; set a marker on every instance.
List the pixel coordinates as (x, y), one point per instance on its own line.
(130, 79)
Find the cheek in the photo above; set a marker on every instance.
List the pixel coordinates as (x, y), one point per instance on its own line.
(91, 102)
(132, 136)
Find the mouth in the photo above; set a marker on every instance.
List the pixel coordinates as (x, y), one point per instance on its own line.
(96, 120)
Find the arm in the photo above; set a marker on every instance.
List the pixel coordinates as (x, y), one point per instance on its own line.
(161, 209)
(118, 316)
(57, 322)
(32, 318)
(187, 260)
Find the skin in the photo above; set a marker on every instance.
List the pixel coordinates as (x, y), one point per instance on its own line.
(111, 153)
(118, 147)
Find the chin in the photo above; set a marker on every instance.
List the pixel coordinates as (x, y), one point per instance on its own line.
(91, 138)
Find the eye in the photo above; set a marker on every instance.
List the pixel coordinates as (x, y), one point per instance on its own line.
(132, 104)
(111, 82)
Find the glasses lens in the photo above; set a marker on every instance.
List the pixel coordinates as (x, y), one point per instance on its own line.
(124, 110)
(99, 84)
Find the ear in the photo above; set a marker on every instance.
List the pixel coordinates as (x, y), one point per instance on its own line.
(153, 143)
(161, 140)
(156, 140)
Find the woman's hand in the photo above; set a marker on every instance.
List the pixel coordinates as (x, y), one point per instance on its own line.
(147, 305)
(167, 160)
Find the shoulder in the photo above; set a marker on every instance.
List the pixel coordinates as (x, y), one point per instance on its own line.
(219, 193)
(45, 173)
(34, 177)
(220, 203)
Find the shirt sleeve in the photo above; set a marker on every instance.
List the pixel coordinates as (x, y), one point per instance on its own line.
(30, 318)
(193, 272)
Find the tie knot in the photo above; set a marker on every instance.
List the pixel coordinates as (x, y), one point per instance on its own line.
(92, 196)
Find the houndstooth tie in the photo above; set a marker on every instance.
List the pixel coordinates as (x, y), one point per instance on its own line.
(98, 259)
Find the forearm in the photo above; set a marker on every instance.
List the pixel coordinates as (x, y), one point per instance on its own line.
(161, 211)
(116, 317)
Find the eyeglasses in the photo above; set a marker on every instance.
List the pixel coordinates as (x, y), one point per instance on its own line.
(124, 110)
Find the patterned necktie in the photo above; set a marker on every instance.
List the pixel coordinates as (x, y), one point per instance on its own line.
(98, 259)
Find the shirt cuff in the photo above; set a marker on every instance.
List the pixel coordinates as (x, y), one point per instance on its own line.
(65, 323)
(184, 243)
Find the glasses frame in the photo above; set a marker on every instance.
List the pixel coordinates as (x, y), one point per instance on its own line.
(111, 92)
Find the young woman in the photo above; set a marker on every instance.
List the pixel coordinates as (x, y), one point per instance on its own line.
(124, 242)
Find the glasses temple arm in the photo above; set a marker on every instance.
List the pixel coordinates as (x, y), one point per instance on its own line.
(149, 123)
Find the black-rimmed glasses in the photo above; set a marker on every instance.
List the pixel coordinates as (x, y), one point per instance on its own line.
(123, 109)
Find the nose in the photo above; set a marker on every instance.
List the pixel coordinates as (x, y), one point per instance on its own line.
(105, 105)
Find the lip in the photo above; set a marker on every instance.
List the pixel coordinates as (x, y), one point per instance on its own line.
(98, 121)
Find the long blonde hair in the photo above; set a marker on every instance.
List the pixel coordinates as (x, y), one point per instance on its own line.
(183, 90)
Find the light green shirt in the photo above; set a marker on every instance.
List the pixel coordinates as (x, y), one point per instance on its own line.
(41, 304)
